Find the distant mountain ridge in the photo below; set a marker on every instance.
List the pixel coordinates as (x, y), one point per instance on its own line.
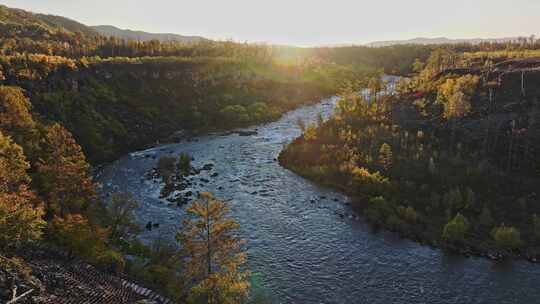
(109, 30)
(439, 40)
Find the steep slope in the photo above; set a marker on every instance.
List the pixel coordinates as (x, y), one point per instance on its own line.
(67, 24)
(51, 276)
(50, 23)
(455, 150)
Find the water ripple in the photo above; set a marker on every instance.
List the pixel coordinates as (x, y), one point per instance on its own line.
(306, 246)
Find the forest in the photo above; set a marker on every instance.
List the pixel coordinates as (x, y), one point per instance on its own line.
(448, 157)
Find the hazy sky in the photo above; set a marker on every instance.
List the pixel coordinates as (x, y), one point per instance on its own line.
(305, 22)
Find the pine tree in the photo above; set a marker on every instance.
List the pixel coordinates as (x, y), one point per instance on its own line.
(213, 253)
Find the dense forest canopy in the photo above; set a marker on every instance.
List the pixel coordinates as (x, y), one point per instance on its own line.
(448, 156)
(417, 156)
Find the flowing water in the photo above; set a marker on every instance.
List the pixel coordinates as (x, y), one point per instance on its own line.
(305, 245)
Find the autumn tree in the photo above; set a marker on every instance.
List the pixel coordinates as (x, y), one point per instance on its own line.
(14, 110)
(213, 253)
(439, 60)
(64, 174)
(385, 156)
(418, 65)
(16, 120)
(20, 213)
(455, 96)
(120, 217)
(77, 235)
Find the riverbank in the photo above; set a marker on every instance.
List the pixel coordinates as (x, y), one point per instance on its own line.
(301, 237)
(419, 235)
(462, 181)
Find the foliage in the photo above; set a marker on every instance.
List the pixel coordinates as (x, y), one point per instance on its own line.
(119, 217)
(214, 255)
(385, 156)
(166, 166)
(455, 231)
(14, 110)
(64, 176)
(184, 164)
(455, 95)
(458, 137)
(507, 238)
(158, 266)
(379, 209)
(20, 213)
(369, 183)
(77, 235)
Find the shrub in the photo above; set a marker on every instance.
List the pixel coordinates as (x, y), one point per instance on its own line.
(184, 164)
(75, 234)
(379, 209)
(371, 184)
(507, 238)
(408, 214)
(111, 260)
(165, 166)
(455, 230)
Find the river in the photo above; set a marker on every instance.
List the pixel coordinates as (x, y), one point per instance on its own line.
(304, 243)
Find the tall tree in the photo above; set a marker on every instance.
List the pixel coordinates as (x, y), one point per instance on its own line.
(16, 120)
(455, 95)
(213, 253)
(20, 213)
(14, 110)
(64, 173)
(385, 156)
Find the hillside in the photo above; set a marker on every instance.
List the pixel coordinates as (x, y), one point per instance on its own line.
(57, 278)
(109, 30)
(450, 158)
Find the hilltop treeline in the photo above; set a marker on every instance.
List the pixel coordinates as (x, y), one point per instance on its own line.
(116, 95)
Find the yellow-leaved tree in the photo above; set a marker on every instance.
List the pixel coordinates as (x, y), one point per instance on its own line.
(455, 96)
(14, 110)
(20, 212)
(64, 174)
(213, 254)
